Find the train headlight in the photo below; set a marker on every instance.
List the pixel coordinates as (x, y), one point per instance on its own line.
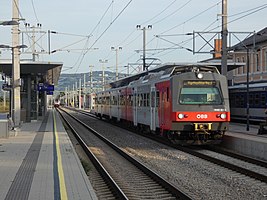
(199, 75)
(223, 116)
(180, 115)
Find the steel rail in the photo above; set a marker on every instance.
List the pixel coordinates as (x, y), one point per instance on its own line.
(160, 180)
(102, 171)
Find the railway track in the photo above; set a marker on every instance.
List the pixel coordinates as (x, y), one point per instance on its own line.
(125, 176)
(198, 152)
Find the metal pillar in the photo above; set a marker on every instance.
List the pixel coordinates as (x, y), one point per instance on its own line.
(84, 91)
(15, 101)
(80, 92)
(248, 66)
(28, 110)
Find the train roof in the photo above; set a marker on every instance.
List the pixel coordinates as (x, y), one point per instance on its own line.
(169, 69)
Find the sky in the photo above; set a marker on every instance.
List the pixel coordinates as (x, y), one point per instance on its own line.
(84, 31)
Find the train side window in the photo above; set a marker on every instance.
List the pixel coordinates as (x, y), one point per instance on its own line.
(142, 100)
(153, 99)
(112, 100)
(167, 94)
(108, 101)
(147, 99)
(130, 103)
(157, 99)
(122, 100)
(139, 100)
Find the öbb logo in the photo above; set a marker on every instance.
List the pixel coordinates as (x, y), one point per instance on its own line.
(202, 116)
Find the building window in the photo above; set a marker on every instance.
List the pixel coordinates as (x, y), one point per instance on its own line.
(243, 67)
(265, 58)
(238, 69)
(258, 62)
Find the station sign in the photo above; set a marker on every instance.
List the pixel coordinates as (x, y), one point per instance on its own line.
(6, 87)
(49, 92)
(45, 87)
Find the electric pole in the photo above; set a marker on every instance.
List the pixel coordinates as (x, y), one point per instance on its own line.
(224, 38)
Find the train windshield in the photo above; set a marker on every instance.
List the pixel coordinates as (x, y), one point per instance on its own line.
(200, 95)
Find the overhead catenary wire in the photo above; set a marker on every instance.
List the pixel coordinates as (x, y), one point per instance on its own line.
(178, 9)
(195, 16)
(253, 10)
(34, 10)
(111, 23)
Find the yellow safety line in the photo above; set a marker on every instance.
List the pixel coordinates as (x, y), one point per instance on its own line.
(62, 186)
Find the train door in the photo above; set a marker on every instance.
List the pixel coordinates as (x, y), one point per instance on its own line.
(135, 107)
(153, 109)
(119, 106)
(162, 106)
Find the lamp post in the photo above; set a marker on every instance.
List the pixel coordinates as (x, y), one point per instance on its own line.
(248, 66)
(16, 83)
(144, 43)
(116, 50)
(9, 23)
(91, 89)
(15, 40)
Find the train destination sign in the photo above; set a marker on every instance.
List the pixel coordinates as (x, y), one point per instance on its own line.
(199, 83)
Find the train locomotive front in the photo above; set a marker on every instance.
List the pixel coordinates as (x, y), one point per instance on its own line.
(199, 110)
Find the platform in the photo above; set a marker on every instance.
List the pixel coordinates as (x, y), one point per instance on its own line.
(248, 143)
(41, 163)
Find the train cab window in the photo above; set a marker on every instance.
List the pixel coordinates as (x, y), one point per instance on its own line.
(200, 95)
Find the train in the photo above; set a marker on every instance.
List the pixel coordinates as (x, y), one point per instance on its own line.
(254, 105)
(57, 103)
(185, 103)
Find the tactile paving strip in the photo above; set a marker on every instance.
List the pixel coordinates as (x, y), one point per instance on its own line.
(20, 187)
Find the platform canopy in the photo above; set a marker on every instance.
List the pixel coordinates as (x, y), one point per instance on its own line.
(49, 70)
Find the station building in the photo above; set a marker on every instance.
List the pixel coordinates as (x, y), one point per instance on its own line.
(253, 53)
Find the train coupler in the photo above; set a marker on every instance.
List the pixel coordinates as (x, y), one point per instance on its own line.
(203, 127)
